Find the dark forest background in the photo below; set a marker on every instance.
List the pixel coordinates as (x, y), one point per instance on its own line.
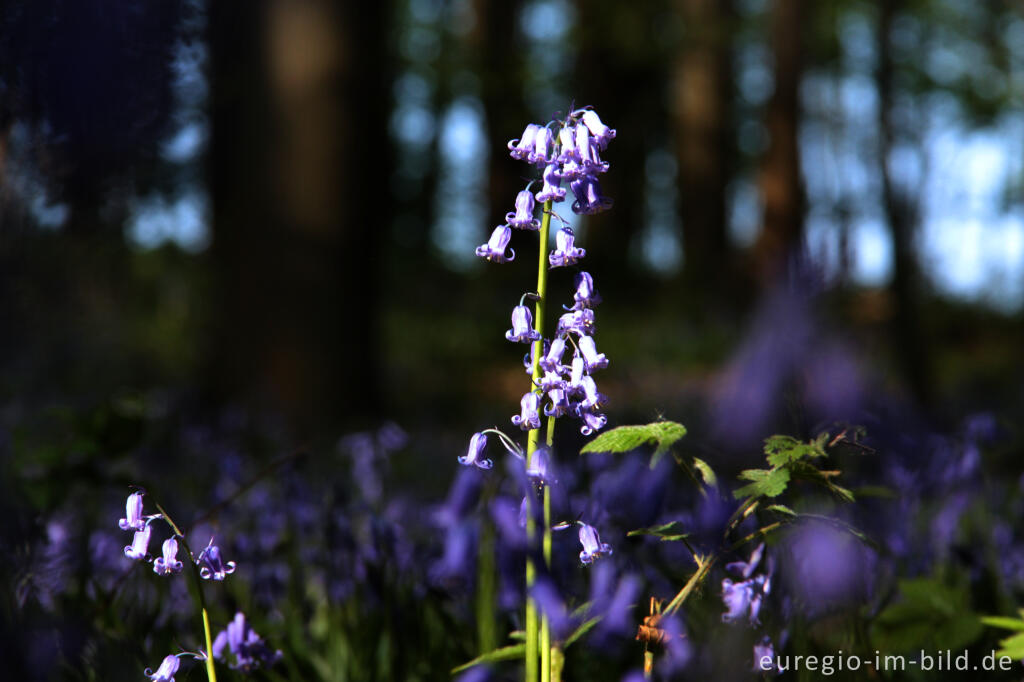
(268, 208)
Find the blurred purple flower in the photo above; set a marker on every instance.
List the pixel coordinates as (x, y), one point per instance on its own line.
(550, 603)
(248, 648)
(165, 673)
(764, 656)
(539, 470)
(826, 567)
(212, 566)
(593, 548)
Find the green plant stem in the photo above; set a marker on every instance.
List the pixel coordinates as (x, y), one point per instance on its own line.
(211, 673)
(545, 626)
(532, 440)
(704, 565)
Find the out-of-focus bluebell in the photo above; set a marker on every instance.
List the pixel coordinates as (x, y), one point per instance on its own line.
(826, 567)
(247, 647)
(540, 470)
(165, 673)
(550, 603)
(211, 564)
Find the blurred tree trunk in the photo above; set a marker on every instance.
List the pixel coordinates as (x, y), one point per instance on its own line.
(901, 214)
(702, 118)
(780, 182)
(623, 74)
(299, 166)
(494, 41)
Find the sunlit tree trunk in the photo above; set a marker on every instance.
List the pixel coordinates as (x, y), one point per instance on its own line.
(779, 179)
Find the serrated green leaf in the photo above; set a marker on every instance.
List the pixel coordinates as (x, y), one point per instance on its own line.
(782, 450)
(627, 438)
(766, 482)
(1004, 622)
(506, 653)
(706, 472)
(668, 532)
(1012, 646)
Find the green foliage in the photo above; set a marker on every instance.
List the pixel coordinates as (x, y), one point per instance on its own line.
(668, 532)
(790, 459)
(1012, 646)
(662, 435)
(505, 653)
(928, 611)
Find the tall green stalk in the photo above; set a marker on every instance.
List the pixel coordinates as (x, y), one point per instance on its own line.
(532, 441)
(211, 673)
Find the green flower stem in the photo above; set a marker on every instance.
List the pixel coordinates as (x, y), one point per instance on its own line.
(704, 565)
(533, 438)
(545, 626)
(211, 673)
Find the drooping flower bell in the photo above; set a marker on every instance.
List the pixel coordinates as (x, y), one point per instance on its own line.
(560, 405)
(522, 218)
(474, 455)
(539, 470)
(494, 249)
(589, 199)
(529, 418)
(586, 295)
(565, 252)
(567, 139)
(211, 564)
(592, 421)
(552, 190)
(521, 148)
(165, 673)
(543, 147)
(552, 361)
(592, 400)
(593, 548)
(134, 519)
(600, 133)
(580, 322)
(168, 563)
(591, 357)
(139, 549)
(522, 326)
(586, 150)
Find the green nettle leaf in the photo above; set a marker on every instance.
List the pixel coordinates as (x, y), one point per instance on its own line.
(668, 532)
(505, 653)
(1012, 646)
(662, 435)
(766, 482)
(782, 450)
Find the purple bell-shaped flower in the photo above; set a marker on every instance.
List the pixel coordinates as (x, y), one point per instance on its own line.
(168, 563)
(529, 418)
(165, 673)
(523, 218)
(139, 549)
(565, 252)
(593, 548)
(589, 199)
(494, 249)
(591, 357)
(586, 296)
(212, 566)
(552, 190)
(134, 519)
(522, 148)
(522, 326)
(474, 455)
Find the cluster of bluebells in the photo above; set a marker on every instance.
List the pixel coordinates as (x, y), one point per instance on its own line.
(244, 644)
(565, 150)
